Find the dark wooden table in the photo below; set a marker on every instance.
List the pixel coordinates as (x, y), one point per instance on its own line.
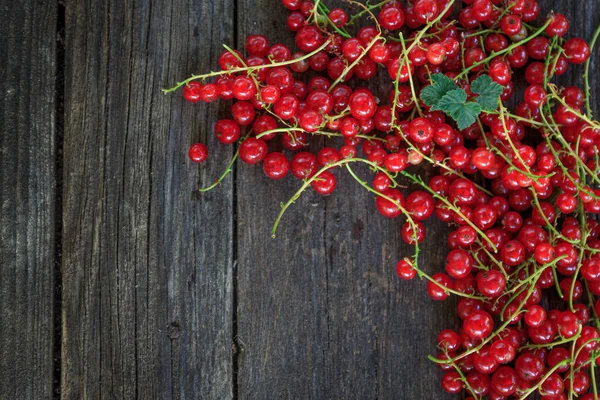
(119, 281)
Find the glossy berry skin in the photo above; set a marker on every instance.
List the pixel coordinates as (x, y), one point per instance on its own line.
(386, 207)
(559, 25)
(420, 130)
(191, 92)
(451, 382)
(491, 283)
(535, 316)
(304, 165)
(391, 18)
(252, 150)
(325, 183)
(227, 131)
(309, 38)
(362, 104)
(504, 381)
(243, 113)
(478, 325)
(436, 291)
(420, 205)
(577, 51)
(198, 152)
(244, 88)
(511, 24)
(338, 16)
(257, 45)
(276, 165)
(405, 270)
(529, 367)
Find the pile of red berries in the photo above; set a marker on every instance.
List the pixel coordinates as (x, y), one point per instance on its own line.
(517, 187)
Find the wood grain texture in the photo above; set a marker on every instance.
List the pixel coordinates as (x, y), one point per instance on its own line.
(147, 264)
(27, 198)
(282, 282)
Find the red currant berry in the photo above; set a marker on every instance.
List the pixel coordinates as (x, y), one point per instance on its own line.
(252, 150)
(198, 152)
(324, 183)
(276, 165)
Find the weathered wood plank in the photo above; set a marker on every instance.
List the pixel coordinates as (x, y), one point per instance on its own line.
(27, 199)
(147, 264)
(282, 283)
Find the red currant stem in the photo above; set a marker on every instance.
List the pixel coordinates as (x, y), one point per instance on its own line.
(314, 14)
(349, 67)
(223, 175)
(419, 181)
(578, 114)
(244, 69)
(571, 371)
(495, 333)
(548, 72)
(591, 304)
(342, 32)
(344, 113)
(514, 149)
(586, 74)
(368, 9)
(482, 32)
(323, 133)
(584, 236)
(414, 227)
(510, 48)
(566, 147)
(528, 174)
(583, 345)
(556, 283)
(429, 35)
(537, 205)
(410, 77)
(495, 261)
(535, 275)
(308, 182)
(250, 73)
(483, 135)
(479, 265)
(520, 119)
(522, 287)
(554, 344)
(435, 163)
(463, 378)
(543, 379)
(593, 377)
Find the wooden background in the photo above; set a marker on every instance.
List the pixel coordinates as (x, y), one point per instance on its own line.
(120, 281)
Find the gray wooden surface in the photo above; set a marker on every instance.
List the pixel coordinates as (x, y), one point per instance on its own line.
(28, 51)
(163, 293)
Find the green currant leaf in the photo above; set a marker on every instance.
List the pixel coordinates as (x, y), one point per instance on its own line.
(451, 102)
(488, 92)
(433, 93)
(466, 115)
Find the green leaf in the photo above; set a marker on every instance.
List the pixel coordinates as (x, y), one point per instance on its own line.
(488, 92)
(451, 102)
(466, 115)
(433, 93)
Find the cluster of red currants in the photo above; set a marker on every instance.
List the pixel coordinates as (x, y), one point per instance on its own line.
(517, 187)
